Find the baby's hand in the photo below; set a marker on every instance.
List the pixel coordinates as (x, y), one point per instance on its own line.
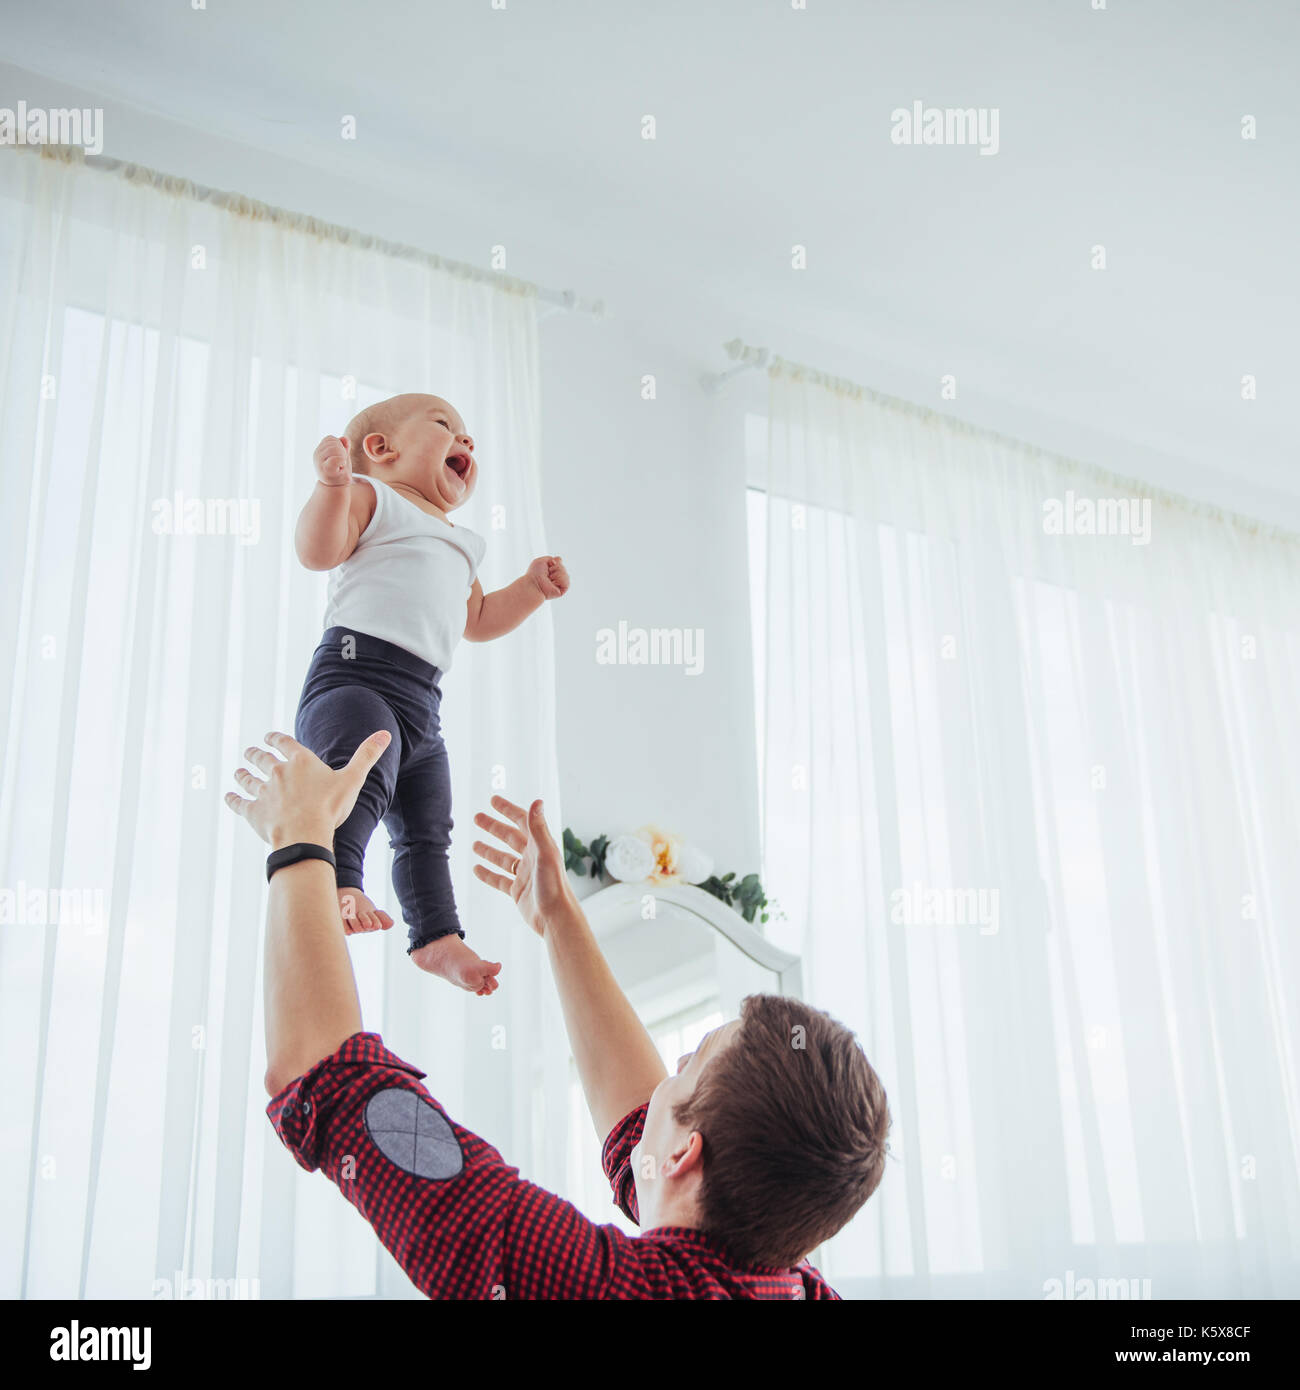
(550, 576)
(333, 465)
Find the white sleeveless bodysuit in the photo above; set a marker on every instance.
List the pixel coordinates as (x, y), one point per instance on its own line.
(408, 580)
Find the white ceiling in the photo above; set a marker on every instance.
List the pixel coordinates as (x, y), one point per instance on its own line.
(521, 126)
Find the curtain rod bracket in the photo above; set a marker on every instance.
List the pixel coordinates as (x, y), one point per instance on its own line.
(749, 359)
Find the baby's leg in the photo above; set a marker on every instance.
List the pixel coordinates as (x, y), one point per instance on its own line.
(419, 822)
(332, 723)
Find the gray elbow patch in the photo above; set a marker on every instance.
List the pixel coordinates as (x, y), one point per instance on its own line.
(413, 1134)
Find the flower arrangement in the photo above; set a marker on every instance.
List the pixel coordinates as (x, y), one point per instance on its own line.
(652, 855)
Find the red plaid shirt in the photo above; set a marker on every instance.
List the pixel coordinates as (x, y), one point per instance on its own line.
(466, 1225)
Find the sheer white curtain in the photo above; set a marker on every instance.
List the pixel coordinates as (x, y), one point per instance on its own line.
(167, 368)
(1029, 803)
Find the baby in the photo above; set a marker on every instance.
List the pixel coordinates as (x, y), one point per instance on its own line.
(402, 592)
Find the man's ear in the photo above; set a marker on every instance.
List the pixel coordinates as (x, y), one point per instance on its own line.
(689, 1158)
(376, 447)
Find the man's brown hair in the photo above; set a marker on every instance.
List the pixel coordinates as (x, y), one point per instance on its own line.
(794, 1121)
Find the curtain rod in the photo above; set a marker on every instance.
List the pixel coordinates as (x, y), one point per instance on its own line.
(566, 301)
(750, 359)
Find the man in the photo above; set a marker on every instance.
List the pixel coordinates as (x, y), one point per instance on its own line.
(768, 1139)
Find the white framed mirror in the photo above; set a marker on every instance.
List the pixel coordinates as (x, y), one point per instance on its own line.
(672, 939)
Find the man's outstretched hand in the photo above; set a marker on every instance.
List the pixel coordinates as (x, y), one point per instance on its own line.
(302, 799)
(534, 866)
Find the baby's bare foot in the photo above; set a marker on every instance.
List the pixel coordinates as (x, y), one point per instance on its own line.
(449, 957)
(360, 914)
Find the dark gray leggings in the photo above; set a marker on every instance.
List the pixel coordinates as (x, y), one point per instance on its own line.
(357, 684)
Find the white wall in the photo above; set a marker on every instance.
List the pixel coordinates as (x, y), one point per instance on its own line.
(648, 511)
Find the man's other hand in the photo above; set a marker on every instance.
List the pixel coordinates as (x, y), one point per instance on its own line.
(533, 865)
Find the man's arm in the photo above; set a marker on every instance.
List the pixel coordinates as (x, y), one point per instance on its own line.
(618, 1063)
(459, 1220)
(311, 993)
(311, 1002)
(488, 616)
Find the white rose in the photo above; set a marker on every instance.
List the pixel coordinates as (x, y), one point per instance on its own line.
(629, 859)
(693, 864)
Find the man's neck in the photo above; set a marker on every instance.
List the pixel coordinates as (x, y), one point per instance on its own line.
(682, 1216)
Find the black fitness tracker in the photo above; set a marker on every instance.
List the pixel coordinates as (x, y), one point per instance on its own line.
(292, 854)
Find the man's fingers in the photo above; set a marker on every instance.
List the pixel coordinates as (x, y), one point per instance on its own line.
(237, 804)
(282, 743)
(261, 759)
(508, 862)
(508, 808)
(516, 839)
(369, 752)
(249, 782)
(491, 879)
(537, 823)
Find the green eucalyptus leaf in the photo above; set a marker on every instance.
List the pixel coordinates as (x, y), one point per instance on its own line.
(751, 896)
(575, 852)
(714, 885)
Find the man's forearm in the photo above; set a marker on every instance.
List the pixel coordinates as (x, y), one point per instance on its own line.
(617, 1062)
(311, 999)
(504, 609)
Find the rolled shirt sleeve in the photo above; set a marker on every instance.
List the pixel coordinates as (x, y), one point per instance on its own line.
(616, 1158)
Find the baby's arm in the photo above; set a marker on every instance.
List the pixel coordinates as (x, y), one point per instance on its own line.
(336, 513)
(495, 614)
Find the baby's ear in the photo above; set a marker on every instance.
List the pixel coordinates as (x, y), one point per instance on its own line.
(375, 445)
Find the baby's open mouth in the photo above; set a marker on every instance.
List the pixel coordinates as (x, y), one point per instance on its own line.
(459, 464)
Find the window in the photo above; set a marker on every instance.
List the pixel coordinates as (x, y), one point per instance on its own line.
(924, 798)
